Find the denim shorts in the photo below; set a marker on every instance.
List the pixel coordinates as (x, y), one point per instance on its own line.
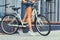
(27, 5)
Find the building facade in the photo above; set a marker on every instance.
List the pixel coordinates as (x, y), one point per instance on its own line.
(50, 9)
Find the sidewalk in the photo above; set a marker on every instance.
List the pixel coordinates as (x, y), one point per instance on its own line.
(54, 35)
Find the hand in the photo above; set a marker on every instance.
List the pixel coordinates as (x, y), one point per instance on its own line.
(24, 1)
(32, 1)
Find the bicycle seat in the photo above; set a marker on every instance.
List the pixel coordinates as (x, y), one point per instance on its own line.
(16, 8)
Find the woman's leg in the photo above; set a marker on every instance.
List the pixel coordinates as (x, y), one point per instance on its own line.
(25, 16)
(29, 11)
(24, 19)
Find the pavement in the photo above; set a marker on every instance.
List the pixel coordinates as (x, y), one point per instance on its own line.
(54, 35)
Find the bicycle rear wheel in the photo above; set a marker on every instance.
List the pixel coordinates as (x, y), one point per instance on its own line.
(42, 25)
(9, 19)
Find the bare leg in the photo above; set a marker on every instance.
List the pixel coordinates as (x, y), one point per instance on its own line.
(25, 16)
(29, 11)
(24, 19)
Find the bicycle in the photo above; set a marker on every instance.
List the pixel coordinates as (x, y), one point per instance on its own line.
(13, 21)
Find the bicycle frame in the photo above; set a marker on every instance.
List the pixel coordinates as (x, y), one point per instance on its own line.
(34, 14)
(40, 22)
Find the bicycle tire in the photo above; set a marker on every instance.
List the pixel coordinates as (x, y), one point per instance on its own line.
(8, 30)
(42, 31)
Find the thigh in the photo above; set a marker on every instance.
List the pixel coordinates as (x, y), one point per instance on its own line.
(29, 11)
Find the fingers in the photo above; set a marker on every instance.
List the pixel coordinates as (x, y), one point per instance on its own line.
(24, 1)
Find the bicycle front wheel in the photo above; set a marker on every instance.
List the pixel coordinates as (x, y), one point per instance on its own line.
(42, 25)
(6, 24)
